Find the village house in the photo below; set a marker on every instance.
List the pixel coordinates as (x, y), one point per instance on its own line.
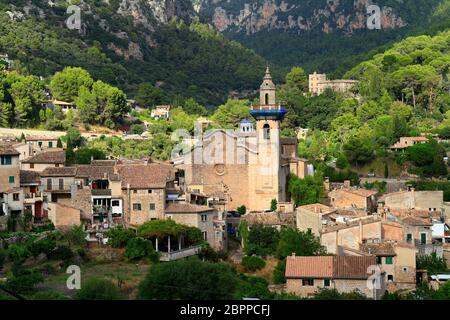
(11, 195)
(161, 112)
(318, 83)
(406, 142)
(144, 190)
(397, 260)
(46, 159)
(311, 217)
(399, 203)
(359, 231)
(38, 144)
(30, 183)
(63, 105)
(353, 198)
(305, 276)
(201, 217)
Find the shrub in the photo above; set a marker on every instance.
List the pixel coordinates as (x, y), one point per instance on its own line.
(24, 280)
(62, 253)
(137, 129)
(42, 246)
(49, 295)
(279, 272)
(274, 205)
(18, 253)
(75, 236)
(118, 237)
(2, 258)
(189, 279)
(193, 236)
(252, 287)
(241, 210)
(139, 248)
(98, 289)
(46, 227)
(253, 263)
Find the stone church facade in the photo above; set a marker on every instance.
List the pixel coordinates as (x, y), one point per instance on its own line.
(249, 166)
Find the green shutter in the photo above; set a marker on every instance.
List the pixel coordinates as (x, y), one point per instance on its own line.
(423, 238)
(11, 179)
(409, 237)
(389, 260)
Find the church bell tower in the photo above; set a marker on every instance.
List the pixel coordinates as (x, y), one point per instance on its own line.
(266, 180)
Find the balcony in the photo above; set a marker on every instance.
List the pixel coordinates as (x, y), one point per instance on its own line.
(179, 254)
(58, 188)
(32, 197)
(101, 192)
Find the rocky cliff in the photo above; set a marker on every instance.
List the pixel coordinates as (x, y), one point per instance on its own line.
(294, 15)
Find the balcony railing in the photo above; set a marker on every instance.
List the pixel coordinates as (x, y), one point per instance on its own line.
(180, 254)
(101, 192)
(65, 187)
(33, 195)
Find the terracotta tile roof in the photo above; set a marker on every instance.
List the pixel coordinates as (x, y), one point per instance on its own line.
(107, 163)
(29, 177)
(309, 267)
(94, 172)
(149, 176)
(414, 213)
(8, 150)
(352, 267)
(378, 249)
(356, 191)
(39, 138)
(317, 208)
(184, 207)
(413, 221)
(59, 172)
(49, 156)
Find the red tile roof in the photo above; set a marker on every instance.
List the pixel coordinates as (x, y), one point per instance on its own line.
(8, 150)
(49, 156)
(59, 172)
(184, 207)
(309, 267)
(413, 221)
(149, 176)
(29, 177)
(336, 267)
(352, 267)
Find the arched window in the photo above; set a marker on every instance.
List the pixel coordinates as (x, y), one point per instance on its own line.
(267, 99)
(266, 131)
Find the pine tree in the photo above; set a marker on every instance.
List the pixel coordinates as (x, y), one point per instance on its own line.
(6, 112)
(386, 170)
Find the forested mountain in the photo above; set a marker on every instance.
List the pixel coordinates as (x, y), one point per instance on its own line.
(170, 50)
(323, 35)
(130, 42)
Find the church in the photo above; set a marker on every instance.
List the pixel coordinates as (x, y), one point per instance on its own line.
(249, 166)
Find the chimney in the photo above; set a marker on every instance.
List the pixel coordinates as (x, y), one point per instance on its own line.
(347, 184)
(293, 254)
